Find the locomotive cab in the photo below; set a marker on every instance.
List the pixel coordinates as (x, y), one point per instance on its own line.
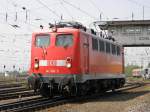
(55, 59)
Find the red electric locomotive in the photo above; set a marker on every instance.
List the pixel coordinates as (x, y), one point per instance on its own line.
(67, 60)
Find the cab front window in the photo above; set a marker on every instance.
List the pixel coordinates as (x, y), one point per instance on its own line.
(64, 40)
(42, 40)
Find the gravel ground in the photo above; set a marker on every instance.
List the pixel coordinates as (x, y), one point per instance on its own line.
(140, 107)
(135, 100)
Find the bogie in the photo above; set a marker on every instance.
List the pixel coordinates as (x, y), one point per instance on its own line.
(78, 89)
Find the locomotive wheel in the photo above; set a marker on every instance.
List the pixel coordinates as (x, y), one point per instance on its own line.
(73, 91)
(46, 91)
(69, 90)
(36, 85)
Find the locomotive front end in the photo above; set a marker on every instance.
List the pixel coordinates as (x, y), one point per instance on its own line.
(54, 62)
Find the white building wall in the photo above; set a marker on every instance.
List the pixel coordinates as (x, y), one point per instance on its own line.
(131, 35)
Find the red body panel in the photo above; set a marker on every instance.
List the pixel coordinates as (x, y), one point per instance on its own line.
(99, 62)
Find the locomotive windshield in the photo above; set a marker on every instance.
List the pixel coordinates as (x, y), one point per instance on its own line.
(64, 40)
(42, 40)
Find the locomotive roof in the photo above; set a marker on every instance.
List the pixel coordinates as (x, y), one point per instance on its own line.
(69, 29)
(104, 39)
(49, 30)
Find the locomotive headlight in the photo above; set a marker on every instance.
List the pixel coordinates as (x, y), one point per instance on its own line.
(68, 62)
(68, 65)
(36, 65)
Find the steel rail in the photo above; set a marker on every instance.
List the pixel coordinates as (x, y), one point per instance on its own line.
(20, 103)
(41, 104)
(9, 85)
(17, 95)
(10, 90)
(27, 106)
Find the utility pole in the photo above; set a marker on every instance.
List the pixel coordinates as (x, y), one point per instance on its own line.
(16, 16)
(6, 17)
(26, 13)
(142, 62)
(132, 16)
(143, 13)
(100, 16)
(61, 17)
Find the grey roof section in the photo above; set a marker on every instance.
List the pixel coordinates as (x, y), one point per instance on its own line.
(105, 24)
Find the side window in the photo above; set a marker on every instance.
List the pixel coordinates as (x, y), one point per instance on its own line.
(94, 44)
(64, 40)
(118, 50)
(107, 47)
(42, 41)
(113, 47)
(101, 45)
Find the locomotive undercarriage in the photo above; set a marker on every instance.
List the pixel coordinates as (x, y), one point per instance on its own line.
(70, 86)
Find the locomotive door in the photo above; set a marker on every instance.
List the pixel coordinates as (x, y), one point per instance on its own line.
(86, 55)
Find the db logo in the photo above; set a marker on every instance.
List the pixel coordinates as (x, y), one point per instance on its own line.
(52, 63)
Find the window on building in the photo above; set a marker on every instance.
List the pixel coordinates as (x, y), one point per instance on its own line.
(133, 30)
(42, 40)
(148, 30)
(137, 30)
(64, 40)
(94, 44)
(101, 45)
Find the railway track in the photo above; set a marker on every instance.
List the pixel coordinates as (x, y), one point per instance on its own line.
(129, 86)
(10, 85)
(28, 105)
(39, 103)
(12, 81)
(17, 95)
(14, 90)
(11, 90)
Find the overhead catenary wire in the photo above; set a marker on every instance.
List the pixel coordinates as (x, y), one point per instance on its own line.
(52, 11)
(95, 6)
(7, 17)
(17, 22)
(12, 37)
(143, 6)
(79, 9)
(31, 9)
(68, 12)
(98, 9)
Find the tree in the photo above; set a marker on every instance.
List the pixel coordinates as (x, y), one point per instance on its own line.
(129, 68)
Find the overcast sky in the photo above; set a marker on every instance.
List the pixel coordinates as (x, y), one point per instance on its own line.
(29, 14)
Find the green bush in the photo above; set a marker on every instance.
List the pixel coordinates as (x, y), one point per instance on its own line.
(129, 68)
